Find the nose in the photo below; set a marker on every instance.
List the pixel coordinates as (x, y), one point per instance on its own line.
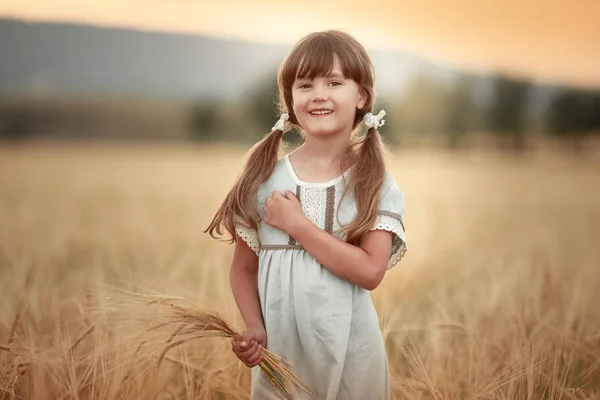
(320, 96)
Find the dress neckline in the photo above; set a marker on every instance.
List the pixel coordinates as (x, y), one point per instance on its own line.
(300, 182)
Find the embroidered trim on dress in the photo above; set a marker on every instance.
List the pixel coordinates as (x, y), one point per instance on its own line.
(291, 241)
(312, 204)
(393, 215)
(248, 235)
(281, 247)
(392, 222)
(329, 205)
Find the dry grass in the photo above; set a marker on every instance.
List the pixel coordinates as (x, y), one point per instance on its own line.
(497, 297)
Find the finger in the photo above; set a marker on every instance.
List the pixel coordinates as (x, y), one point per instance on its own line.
(236, 345)
(255, 359)
(290, 195)
(248, 338)
(249, 350)
(245, 354)
(255, 356)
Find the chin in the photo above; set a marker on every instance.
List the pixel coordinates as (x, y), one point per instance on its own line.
(322, 130)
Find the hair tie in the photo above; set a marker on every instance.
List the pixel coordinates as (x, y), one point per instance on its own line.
(280, 125)
(374, 121)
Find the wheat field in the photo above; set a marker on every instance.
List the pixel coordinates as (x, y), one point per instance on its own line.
(498, 296)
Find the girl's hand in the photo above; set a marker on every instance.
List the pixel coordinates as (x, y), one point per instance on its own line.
(283, 211)
(249, 348)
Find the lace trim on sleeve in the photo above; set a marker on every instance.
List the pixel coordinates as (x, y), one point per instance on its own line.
(248, 235)
(391, 222)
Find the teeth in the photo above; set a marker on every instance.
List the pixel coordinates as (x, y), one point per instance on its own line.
(321, 112)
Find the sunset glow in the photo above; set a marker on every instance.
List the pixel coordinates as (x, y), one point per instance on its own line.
(554, 41)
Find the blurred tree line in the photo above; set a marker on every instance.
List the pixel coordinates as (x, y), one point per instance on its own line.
(466, 110)
(502, 110)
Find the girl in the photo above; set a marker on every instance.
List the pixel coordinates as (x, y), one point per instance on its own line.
(316, 230)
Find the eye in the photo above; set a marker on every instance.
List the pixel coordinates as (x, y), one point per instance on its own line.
(335, 83)
(304, 86)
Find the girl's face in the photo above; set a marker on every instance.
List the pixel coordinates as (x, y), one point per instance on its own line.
(327, 105)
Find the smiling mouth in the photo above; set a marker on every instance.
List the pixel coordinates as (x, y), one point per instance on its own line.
(321, 112)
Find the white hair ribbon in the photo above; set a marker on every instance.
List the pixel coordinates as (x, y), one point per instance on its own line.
(280, 125)
(374, 121)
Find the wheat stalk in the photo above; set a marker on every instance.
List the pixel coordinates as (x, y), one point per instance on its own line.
(5, 348)
(81, 337)
(14, 325)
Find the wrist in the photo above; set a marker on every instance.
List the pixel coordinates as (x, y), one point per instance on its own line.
(297, 225)
(256, 325)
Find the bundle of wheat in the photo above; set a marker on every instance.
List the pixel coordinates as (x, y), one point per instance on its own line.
(196, 323)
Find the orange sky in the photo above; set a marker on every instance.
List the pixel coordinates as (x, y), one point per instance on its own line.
(552, 41)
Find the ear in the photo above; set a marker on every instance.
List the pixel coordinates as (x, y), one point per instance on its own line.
(362, 98)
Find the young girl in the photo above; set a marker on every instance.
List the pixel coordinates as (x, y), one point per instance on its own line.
(316, 230)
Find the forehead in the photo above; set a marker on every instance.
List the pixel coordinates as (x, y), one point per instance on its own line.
(319, 65)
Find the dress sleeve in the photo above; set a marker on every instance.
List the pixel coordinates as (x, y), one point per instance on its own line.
(248, 235)
(391, 218)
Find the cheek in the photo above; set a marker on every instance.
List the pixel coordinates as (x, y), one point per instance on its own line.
(298, 104)
(298, 108)
(299, 111)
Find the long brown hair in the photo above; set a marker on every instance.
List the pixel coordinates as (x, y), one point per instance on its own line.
(314, 56)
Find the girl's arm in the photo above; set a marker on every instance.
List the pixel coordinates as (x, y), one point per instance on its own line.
(363, 265)
(243, 277)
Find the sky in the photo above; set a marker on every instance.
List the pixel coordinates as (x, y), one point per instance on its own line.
(547, 41)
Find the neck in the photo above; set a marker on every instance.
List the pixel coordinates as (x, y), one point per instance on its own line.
(328, 149)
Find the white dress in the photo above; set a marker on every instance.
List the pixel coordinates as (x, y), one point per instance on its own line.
(325, 326)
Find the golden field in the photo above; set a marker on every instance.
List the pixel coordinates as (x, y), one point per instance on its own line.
(498, 296)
